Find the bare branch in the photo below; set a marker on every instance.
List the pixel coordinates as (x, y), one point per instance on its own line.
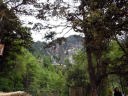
(15, 8)
(121, 46)
(67, 31)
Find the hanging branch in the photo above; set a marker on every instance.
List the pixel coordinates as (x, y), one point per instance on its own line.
(121, 46)
(15, 8)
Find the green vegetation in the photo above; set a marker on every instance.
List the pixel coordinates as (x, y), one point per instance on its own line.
(19, 69)
(95, 71)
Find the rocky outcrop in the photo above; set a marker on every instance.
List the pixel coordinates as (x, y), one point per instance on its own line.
(59, 52)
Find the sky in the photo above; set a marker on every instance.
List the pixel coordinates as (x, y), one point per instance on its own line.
(38, 35)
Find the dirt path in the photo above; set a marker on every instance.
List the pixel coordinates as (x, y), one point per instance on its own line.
(17, 93)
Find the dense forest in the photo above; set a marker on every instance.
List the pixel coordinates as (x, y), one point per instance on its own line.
(91, 65)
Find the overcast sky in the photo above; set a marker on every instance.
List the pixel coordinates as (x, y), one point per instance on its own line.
(39, 35)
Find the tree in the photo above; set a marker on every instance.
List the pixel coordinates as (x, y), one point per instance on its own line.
(20, 73)
(20, 70)
(14, 37)
(12, 34)
(77, 72)
(100, 21)
(77, 75)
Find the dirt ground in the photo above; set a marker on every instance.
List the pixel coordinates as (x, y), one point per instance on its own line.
(18, 93)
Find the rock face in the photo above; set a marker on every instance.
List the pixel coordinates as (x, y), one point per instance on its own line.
(18, 93)
(59, 52)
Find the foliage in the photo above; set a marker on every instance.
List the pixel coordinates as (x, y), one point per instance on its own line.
(77, 75)
(26, 73)
(100, 21)
(17, 68)
(12, 35)
(20, 70)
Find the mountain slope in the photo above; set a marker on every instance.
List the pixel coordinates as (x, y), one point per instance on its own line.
(58, 52)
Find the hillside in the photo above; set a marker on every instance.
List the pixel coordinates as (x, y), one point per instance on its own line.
(58, 52)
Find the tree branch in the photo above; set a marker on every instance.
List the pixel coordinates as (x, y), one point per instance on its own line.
(121, 46)
(14, 8)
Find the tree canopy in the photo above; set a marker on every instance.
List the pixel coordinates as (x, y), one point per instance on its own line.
(105, 28)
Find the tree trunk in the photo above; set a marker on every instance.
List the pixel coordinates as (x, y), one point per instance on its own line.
(76, 91)
(92, 73)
